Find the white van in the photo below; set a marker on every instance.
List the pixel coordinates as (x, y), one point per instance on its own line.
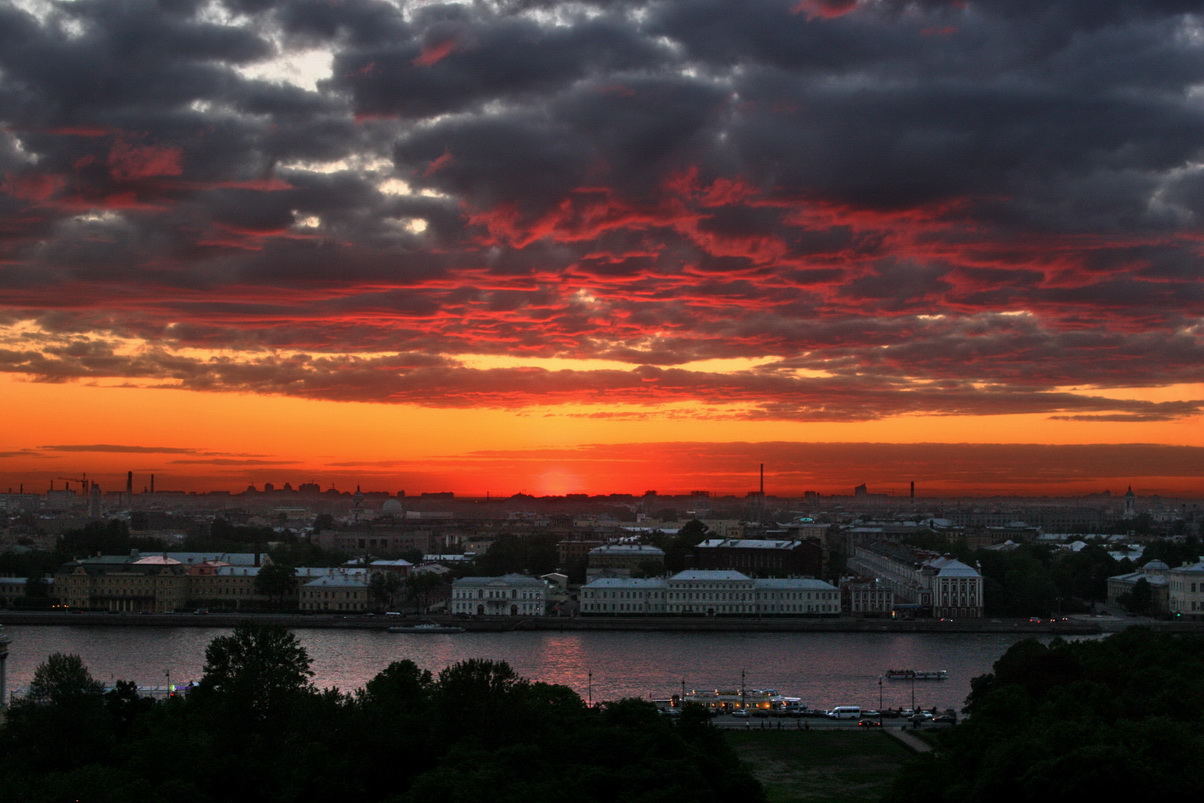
(845, 712)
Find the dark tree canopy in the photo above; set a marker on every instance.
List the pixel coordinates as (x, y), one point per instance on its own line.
(256, 729)
(1112, 719)
(256, 669)
(63, 678)
(276, 581)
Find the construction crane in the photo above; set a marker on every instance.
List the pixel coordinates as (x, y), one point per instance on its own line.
(82, 480)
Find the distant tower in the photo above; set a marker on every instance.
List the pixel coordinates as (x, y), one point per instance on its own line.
(1130, 504)
(913, 490)
(359, 502)
(4, 642)
(94, 501)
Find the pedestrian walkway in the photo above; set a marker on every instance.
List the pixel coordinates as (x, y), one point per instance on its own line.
(909, 739)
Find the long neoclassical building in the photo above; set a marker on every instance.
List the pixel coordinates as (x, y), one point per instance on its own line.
(700, 592)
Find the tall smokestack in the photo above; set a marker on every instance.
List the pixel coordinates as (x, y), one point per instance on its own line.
(129, 484)
(152, 483)
(913, 490)
(762, 479)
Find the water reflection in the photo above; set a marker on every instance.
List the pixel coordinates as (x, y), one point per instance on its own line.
(824, 669)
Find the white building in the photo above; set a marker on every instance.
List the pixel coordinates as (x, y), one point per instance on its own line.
(1185, 596)
(1157, 576)
(921, 580)
(956, 589)
(710, 593)
(866, 597)
(624, 596)
(508, 595)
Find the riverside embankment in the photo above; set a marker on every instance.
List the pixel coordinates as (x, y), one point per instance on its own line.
(1071, 626)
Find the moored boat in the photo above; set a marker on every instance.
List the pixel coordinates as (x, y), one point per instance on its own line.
(759, 702)
(913, 674)
(426, 627)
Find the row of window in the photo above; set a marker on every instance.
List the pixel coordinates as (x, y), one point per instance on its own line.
(632, 607)
(768, 596)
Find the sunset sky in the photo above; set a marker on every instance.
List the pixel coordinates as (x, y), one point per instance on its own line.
(590, 247)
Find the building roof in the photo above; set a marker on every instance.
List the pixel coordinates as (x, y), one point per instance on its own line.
(711, 575)
(231, 558)
(385, 564)
(157, 560)
(626, 549)
(1156, 580)
(238, 571)
(749, 543)
(948, 567)
(506, 580)
(794, 584)
(340, 580)
(627, 582)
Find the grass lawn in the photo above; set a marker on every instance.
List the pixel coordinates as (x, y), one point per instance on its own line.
(817, 766)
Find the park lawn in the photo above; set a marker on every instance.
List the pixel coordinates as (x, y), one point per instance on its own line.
(836, 766)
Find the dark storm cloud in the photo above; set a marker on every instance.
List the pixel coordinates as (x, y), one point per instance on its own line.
(901, 196)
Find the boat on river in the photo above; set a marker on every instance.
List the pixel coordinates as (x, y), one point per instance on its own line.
(758, 702)
(915, 674)
(426, 627)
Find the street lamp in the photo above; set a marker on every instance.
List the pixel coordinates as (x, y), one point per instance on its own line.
(879, 701)
(590, 698)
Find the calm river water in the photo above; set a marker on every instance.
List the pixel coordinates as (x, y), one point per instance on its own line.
(824, 669)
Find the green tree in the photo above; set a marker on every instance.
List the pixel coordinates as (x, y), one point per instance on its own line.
(63, 678)
(276, 581)
(60, 723)
(258, 669)
(509, 553)
(383, 588)
(420, 586)
(691, 534)
(1060, 721)
(1139, 599)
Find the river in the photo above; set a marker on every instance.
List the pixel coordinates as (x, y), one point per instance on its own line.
(824, 669)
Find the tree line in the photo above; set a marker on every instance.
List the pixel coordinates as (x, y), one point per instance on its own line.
(256, 728)
(1112, 719)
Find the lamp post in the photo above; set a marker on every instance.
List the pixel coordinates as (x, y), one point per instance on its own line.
(879, 701)
(4, 642)
(590, 698)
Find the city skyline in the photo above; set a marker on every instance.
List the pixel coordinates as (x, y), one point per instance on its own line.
(553, 247)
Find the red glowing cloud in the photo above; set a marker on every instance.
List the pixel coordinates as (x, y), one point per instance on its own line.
(846, 214)
(824, 9)
(435, 52)
(128, 161)
(36, 187)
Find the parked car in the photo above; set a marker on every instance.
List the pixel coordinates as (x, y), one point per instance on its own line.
(949, 718)
(869, 723)
(742, 713)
